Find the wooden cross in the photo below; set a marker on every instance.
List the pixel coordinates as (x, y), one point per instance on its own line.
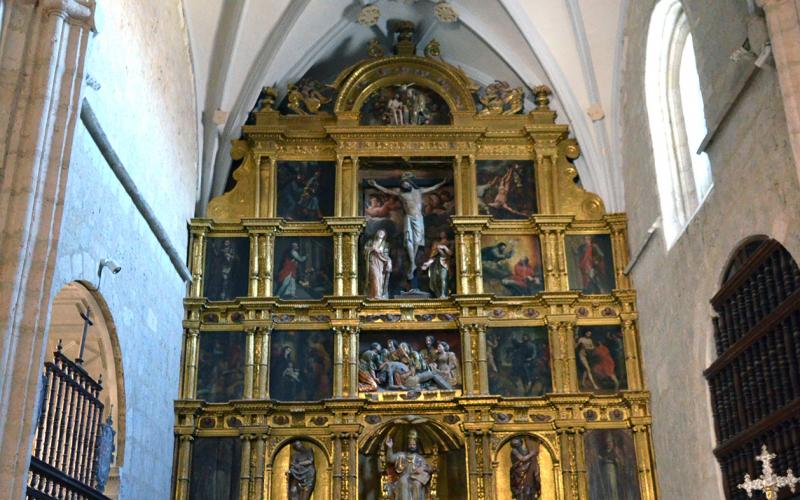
(769, 483)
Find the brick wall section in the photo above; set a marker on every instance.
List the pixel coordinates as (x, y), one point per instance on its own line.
(755, 192)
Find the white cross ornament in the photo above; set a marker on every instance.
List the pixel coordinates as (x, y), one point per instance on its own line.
(769, 483)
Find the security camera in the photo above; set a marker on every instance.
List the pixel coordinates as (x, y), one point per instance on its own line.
(110, 264)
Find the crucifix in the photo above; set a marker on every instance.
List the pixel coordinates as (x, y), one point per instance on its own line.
(769, 483)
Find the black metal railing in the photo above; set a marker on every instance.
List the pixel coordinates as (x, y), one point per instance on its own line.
(64, 458)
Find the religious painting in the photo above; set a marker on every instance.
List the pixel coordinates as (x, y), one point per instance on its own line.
(512, 265)
(611, 465)
(409, 361)
(405, 104)
(600, 357)
(525, 469)
(226, 268)
(407, 245)
(301, 366)
(300, 471)
(306, 189)
(518, 361)
(506, 188)
(590, 263)
(303, 267)
(215, 468)
(220, 368)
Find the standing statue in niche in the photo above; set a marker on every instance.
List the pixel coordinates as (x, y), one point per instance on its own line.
(410, 196)
(302, 473)
(438, 267)
(524, 474)
(412, 470)
(379, 266)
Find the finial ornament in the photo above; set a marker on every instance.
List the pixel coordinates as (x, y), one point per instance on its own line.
(433, 49)
(266, 99)
(542, 96)
(374, 48)
(769, 483)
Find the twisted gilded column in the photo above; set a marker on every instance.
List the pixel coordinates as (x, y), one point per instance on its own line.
(41, 73)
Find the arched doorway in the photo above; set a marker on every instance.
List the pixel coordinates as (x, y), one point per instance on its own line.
(101, 358)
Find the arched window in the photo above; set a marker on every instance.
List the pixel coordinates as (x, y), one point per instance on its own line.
(755, 380)
(677, 118)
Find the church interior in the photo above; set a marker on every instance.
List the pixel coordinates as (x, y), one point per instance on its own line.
(400, 249)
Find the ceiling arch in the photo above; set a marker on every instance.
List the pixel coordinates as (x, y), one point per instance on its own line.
(571, 45)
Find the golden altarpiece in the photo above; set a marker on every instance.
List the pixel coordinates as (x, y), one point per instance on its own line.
(406, 293)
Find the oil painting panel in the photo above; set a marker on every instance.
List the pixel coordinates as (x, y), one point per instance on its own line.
(600, 358)
(512, 265)
(306, 189)
(518, 361)
(301, 365)
(407, 244)
(215, 468)
(303, 267)
(220, 370)
(506, 188)
(405, 104)
(226, 267)
(590, 263)
(409, 361)
(525, 470)
(611, 464)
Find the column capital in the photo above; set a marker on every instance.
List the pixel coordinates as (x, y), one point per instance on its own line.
(81, 11)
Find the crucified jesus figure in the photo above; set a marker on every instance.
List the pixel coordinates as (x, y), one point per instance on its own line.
(410, 196)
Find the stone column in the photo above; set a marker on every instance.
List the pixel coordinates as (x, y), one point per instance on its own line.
(783, 21)
(41, 74)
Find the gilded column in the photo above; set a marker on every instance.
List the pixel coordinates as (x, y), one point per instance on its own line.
(644, 457)
(255, 264)
(569, 459)
(336, 479)
(483, 369)
(632, 365)
(338, 361)
(262, 359)
(198, 244)
(244, 475)
(560, 378)
(191, 348)
(469, 368)
(183, 467)
(249, 363)
(338, 263)
(552, 230)
(619, 245)
(346, 231)
(267, 175)
(258, 470)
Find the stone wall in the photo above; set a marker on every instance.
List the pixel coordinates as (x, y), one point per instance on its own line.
(755, 192)
(140, 86)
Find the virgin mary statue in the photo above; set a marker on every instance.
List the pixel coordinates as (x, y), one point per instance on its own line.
(379, 266)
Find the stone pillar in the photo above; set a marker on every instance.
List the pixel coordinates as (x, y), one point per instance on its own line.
(783, 21)
(41, 74)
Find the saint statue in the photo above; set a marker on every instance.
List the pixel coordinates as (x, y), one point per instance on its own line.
(379, 266)
(302, 473)
(438, 267)
(413, 473)
(525, 480)
(410, 196)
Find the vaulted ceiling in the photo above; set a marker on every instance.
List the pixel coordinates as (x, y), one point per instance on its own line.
(574, 46)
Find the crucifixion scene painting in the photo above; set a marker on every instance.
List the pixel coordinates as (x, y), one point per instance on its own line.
(301, 365)
(512, 264)
(408, 245)
(611, 465)
(409, 361)
(306, 189)
(600, 358)
(405, 104)
(518, 361)
(590, 263)
(303, 267)
(506, 188)
(226, 267)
